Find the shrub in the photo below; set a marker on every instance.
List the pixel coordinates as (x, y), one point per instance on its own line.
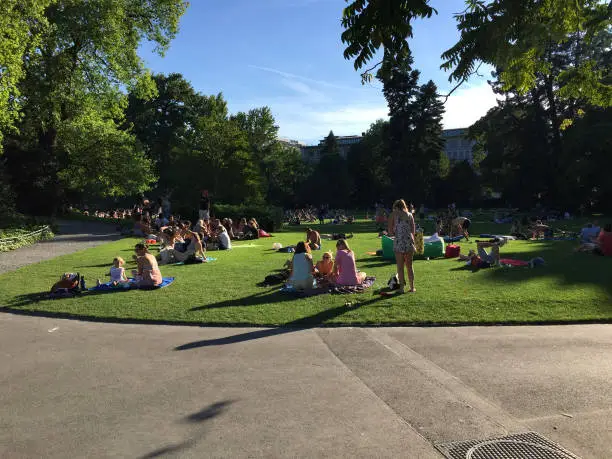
(270, 218)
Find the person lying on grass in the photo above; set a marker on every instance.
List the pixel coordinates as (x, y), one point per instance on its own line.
(302, 269)
(486, 259)
(345, 270)
(147, 274)
(336, 236)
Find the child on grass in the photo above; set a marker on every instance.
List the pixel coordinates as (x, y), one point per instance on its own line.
(117, 272)
(325, 266)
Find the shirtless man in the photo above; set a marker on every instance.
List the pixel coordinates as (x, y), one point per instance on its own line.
(313, 238)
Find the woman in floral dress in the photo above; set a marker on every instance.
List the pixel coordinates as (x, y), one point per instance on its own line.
(401, 224)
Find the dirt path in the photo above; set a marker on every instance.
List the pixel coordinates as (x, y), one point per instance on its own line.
(71, 237)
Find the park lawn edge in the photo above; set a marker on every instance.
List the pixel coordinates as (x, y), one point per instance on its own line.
(307, 313)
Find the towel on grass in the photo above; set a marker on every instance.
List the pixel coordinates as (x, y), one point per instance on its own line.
(131, 285)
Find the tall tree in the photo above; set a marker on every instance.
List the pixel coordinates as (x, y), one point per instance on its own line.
(85, 56)
(22, 24)
(161, 122)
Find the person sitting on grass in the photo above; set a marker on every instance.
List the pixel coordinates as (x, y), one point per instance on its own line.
(313, 239)
(251, 230)
(225, 242)
(302, 269)
(345, 270)
(147, 274)
(539, 229)
(518, 229)
(604, 242)
(324, 267)
(117, 272)
(229, 226)
(590, 232)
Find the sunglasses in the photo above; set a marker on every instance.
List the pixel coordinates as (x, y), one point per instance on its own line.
(326, 257)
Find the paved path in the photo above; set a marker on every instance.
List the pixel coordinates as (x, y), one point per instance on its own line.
(77, 389)
(72, 237)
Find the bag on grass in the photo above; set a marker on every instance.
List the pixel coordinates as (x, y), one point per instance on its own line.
(394, 282)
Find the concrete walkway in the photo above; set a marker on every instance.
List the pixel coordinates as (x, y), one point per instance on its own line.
(78, 389)
(71, 237)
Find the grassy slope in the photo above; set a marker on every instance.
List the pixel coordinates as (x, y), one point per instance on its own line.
(571, 287)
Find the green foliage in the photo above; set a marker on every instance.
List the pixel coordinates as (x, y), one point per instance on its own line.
(216, 157)
(415, 133)
(370, 24)
(22, 24)
(511, 35)
(85, 54)
(102, 160)
(285, 172)
(15, 238)
(270, 218)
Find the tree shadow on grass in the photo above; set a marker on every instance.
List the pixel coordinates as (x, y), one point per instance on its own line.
(290, 327)
(266, 297)
(562, 263)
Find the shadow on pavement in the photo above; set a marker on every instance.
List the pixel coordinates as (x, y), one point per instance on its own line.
(295, 325)
(205, 414)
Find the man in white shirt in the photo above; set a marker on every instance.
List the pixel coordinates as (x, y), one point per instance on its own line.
(225, 242)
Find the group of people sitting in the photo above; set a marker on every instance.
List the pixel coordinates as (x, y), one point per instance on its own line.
(311, 215)
(341, 270)
(181, 240)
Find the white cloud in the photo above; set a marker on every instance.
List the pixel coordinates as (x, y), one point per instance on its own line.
(467, 105)
(315, 107)
(310, 124)
(293, 76)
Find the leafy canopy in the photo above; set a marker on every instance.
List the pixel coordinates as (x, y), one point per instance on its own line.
(511, 35)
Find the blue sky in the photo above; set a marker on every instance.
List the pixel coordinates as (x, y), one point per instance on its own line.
(287, 54)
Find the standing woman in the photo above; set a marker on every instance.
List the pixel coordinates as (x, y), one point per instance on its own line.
(401, 224)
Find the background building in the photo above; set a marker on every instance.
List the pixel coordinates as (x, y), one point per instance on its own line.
(290, 142)
(312, 153)
(457, 147)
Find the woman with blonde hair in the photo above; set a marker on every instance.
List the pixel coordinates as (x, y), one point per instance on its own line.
(401, 224)
(345, 270)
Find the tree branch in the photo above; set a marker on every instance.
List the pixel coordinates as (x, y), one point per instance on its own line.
(366, 72)
(464, 79)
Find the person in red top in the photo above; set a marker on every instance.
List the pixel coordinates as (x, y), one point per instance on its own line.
(604, 241)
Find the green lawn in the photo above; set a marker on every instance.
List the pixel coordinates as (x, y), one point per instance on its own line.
(571, 287)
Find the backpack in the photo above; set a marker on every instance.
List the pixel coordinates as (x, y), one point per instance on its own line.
(394, 282)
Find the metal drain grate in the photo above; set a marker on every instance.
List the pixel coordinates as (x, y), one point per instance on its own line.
(528, 445)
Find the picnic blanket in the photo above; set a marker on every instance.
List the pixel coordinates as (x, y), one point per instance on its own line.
(131, 285)
(512, 262)
(453, 239)
(330, 288)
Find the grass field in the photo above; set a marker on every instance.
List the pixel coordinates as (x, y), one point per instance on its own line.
(570, 287)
